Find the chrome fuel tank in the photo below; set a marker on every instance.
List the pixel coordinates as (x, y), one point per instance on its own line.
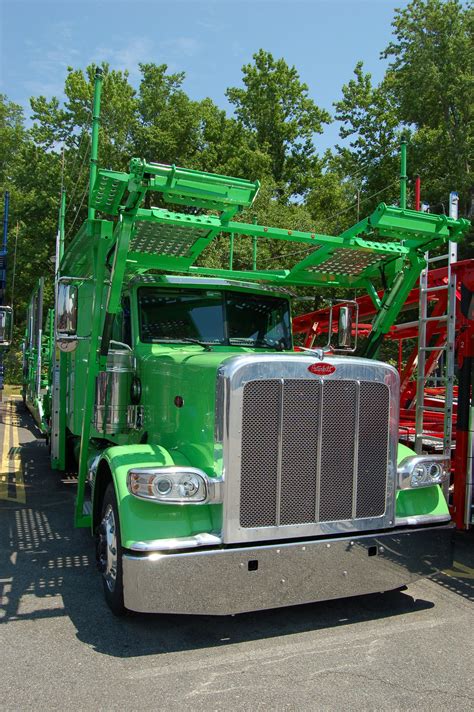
(112, 393)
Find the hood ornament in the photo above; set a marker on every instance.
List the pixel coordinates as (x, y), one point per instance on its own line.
(319, 353)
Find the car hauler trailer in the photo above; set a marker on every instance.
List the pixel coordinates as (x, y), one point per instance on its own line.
(227, 472)
(37, 348)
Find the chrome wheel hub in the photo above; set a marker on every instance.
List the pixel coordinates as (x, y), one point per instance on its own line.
(108, 548)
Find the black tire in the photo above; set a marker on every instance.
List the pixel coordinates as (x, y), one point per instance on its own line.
(110, 564)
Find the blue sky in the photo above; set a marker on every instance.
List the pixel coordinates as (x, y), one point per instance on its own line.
(209, 41)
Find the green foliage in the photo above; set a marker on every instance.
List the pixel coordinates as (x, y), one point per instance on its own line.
(276, 106)
(427, 94)
(370, 121)
(430, 82)
(12, 135)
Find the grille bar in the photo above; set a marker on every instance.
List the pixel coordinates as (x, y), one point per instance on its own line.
(313, 451)
(299, 444)
(338, 442)
(356, 451)
(280, 451)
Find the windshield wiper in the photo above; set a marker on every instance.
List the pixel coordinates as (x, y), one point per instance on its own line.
(185, 339)
(206, 347)
(278, 345)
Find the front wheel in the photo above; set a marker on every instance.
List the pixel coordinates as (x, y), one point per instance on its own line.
(109, 553)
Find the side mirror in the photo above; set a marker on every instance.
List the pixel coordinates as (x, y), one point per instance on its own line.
(344, 332)
(348, 323)
(66, 317)
(6, 325)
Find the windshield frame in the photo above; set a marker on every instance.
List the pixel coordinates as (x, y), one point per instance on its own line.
(223, 298)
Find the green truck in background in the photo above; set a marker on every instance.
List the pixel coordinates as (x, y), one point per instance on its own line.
(220, 469)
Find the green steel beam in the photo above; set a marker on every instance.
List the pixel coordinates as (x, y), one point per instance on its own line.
(122, 242)
(100, 233)
(94, 139)
(180, 186)
(388, 231)
(373, 294)
(231, 251)
(393, 300)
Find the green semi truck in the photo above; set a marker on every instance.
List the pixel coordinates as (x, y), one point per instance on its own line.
(220, 469)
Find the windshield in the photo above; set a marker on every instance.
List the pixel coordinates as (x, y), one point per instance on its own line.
(212, 317)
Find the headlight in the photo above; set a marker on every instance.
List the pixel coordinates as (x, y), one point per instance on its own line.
(173, 485)
(423, 471)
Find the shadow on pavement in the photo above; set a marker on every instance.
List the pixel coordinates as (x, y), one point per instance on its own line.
(47, 569)
(460, 579)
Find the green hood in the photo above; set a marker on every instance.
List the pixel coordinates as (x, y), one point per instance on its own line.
(179, 396)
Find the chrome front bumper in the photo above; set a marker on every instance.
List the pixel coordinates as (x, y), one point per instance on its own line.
(236, 580)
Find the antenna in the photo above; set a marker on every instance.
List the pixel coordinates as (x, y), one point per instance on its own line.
(403, 174)
(61, 219)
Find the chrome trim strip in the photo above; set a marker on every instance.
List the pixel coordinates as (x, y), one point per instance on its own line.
(92, 467)
(197, 282)
(179, 542)
(280, 452)
(356, 450)
(422, 519)
(318, 457)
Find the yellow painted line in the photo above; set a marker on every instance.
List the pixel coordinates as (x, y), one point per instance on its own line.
(460, 571)
(10, 442)
(4, 464)
(19, 481)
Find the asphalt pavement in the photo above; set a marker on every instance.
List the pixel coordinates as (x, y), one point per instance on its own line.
(61, 648)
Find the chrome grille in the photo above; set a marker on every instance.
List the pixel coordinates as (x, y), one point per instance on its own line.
(313, 451)
(372, 462)
(299, 456)
(337, 450)
(260, 443)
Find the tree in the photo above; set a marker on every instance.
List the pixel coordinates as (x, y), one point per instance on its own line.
(332, 201)
(369, 119)
(426, 94)
(276, 105)
(69, 125)
(168, 122)
(225, 146)
(429, 80)
(12, 135)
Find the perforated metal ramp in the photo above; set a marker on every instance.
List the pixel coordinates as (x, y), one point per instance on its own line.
(158, 239)
(347, 262)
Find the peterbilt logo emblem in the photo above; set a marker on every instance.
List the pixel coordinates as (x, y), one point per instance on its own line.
(322, 369)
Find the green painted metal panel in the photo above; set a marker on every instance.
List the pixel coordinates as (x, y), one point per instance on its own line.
(424, 501)
(108, 191)
(143, 521)
(417, 502)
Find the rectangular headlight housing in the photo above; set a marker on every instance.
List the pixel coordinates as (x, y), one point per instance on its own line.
(173, 485)
(423, 471)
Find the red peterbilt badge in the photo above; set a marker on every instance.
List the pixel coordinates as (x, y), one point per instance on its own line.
(322, 369)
